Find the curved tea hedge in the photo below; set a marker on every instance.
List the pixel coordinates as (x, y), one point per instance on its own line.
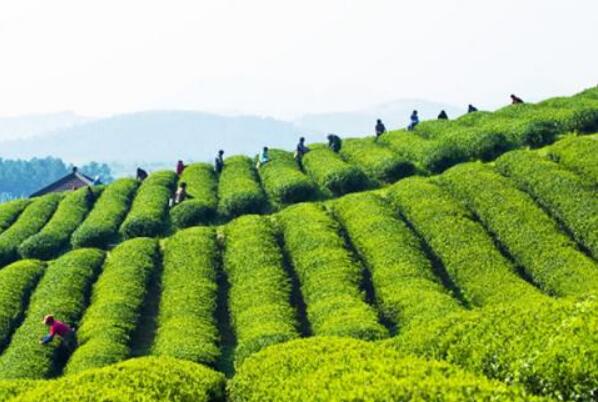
(149, 213)
(378, 162)
(10, 211)
(31, 221)
(579, 155)
(117, 298)
(239, 190)
(328, 276)
(186, 321)
(461, 243)
(547, 346)
(406, 287)
(559, 191)
(331, 172)
(342, 369)
(55, 235)
(63, 292)
(283, 181)
(100, 228)
(527, 233)
(259, 296)
(428, 155)
(146, 378)
(11, 388)
(16, 283)
(202, 203)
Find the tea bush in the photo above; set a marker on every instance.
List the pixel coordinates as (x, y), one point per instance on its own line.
(30, 221)
(100, 228)
(55, 235)
(16, 283)
(429, 156)
(149, 213)
(341, 369)
(239, 190)
(259, 296)
(377, 161)
(579, 155)
(283, 181)
(527, 233)
(10, 211)
(559, 191)
(105, 333)
(331, 172)
(329, 277)
(406, 287)
(186, 321)
(547, 346)
(12, 388)
(462, 245)
(63, 292)
(142, 379)
(201, 206)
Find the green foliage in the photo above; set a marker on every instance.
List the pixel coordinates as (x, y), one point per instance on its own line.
(186, 322)
(560, 192)
(239, 190)
(12, 388)
(283, 181)
(144, 379)
(202, 203)
(328, 275)
(545, 345)
(16, 283)
(149, 213)
(378, 162)
(527, 233)
(63, 292)
(342, 369)
(10, 211)
(54, 237)
(579, 155)
(259, 287)
(105, 333)
(331, 172)
(31, 221)
(100, 228)
(403, 278)
(430, 156)
(462, 245)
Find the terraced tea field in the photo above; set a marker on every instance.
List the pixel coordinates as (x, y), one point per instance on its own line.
(455, 262)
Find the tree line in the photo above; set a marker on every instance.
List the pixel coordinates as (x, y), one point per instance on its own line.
(19, 178)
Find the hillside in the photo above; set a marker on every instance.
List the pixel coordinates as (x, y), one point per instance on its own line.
(455, 262)
(12, 128)
(160, 136)
(155, 139)
(359, 122)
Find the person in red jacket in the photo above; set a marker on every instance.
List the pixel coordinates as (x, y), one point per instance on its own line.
(66, 333)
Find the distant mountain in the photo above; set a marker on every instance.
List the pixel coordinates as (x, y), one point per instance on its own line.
(155, 137)
(38, 124)
(361, 122)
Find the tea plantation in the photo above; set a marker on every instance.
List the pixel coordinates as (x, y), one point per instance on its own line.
(455, 262)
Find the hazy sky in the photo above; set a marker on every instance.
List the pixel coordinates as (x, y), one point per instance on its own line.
(286, 58)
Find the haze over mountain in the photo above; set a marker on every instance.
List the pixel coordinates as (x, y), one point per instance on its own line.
(394, 115)
(18, 127)
(157, 138)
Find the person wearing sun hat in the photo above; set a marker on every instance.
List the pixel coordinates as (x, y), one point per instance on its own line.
(66, 333)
